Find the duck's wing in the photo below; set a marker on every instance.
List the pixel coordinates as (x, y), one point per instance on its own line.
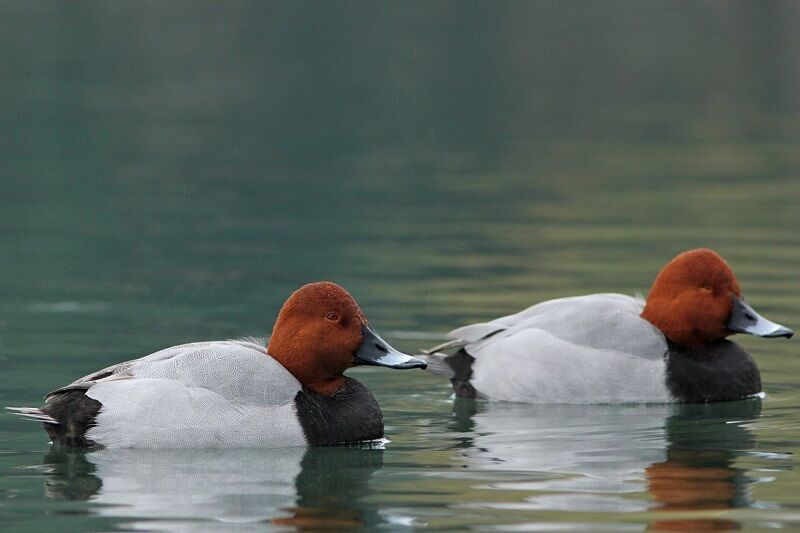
(212, 394)
(603, 321)
(123, 370)
(473, 333)
(239, 371)
(588, 349)
(118, 371)
(207, 394)
(583, 349)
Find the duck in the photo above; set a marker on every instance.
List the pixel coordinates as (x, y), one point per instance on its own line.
(236, 393)
(614, 348)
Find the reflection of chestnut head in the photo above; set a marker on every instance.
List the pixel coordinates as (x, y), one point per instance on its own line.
(330, 486)
(693, 479)
(700, 524)
(699, 473)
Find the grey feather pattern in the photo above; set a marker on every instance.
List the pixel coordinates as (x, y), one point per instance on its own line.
(584, 349)
(203, 394)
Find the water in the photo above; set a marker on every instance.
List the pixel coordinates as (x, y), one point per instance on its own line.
(172, 171)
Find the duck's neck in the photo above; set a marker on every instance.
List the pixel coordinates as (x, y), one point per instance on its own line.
(322, 381)
(326, 387)
(676, 333)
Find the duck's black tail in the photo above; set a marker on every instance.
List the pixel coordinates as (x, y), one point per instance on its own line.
(456, 367)
(66, 416)
(32, 413)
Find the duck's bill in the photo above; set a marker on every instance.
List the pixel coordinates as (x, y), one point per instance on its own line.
(375, 351)
(745, 320)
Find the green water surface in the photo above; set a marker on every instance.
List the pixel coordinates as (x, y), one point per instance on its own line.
(172, 171)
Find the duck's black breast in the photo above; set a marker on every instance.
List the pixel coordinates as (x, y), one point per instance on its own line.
(350, 415)
(717, 372)
(75, 413)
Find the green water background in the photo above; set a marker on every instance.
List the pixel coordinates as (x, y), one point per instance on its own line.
(172, 170)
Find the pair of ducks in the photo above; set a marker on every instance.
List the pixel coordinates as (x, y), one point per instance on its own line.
(600, 348)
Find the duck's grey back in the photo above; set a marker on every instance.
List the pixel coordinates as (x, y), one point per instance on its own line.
(206, 394)
(599, 321)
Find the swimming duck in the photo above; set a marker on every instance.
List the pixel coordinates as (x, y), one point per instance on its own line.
(236, 393)
(612, 348)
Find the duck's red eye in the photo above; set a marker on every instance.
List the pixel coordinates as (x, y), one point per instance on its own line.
(705, 287)
(333, 317)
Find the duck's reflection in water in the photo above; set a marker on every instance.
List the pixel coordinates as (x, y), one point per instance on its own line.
(580, 457)
(330, 490)
(191, 490)
(699, 473)
(597, 458)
